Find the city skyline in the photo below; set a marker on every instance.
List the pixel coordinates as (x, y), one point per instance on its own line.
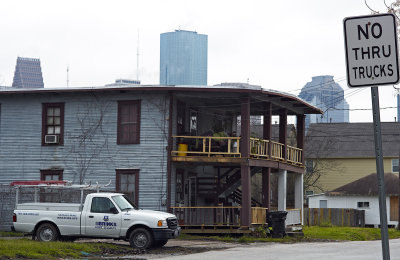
(277, 45)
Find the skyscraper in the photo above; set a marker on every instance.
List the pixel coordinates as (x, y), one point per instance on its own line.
(183, 58)
(324, 93)
(28, 74)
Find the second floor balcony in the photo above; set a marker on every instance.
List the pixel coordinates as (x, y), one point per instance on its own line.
(229, 147)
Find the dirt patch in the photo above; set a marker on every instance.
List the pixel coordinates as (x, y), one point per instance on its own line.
(174, 247)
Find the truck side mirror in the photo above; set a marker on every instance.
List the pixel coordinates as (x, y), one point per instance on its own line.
(114, 210)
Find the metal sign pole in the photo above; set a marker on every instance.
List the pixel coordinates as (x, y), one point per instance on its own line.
(380, 173)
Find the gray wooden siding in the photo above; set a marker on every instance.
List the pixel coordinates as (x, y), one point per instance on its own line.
(22, 156)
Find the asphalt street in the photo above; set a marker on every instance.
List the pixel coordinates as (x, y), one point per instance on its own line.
(364, 250)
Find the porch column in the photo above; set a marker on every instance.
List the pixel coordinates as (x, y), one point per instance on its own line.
(245, 213)
(298, 195)
(266, 172)
(283, 130)
(301, 122)
(282, 189)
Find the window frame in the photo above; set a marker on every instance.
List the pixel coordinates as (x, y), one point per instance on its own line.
(138, 121)
(45, 106)
(363, 204)
(309, 168)
(395, 165)
(44, 173)
(119, 172)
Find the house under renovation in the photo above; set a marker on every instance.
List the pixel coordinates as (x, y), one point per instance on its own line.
(172, 148)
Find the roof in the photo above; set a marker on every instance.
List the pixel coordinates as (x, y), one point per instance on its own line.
(350, 140)
(368, 186)
(225, 95)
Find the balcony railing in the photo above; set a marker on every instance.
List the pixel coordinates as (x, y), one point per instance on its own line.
(207, 146)
(294, 155)
(230, 147)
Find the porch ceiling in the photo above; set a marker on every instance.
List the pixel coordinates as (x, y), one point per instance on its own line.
(229, 102)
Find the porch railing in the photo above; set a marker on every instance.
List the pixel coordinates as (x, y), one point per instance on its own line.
(207, 145)
(294, 155)
(214, 216)
(293, 217)
(230, 147)
(259, 147)
(277, 151)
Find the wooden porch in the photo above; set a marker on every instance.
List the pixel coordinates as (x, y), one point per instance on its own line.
(229, 147)
(223, 219)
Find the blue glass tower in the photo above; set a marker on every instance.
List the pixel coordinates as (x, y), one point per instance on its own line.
(324, 93)
(183, 58)
(28, 73)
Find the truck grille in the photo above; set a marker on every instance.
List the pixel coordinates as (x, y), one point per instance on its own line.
(172, 223)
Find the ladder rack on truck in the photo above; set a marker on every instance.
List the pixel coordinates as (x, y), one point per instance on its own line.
(37, 185)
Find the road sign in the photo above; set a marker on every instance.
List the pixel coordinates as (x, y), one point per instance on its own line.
(371, 50)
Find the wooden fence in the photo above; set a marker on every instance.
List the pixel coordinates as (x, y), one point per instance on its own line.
(336, 217)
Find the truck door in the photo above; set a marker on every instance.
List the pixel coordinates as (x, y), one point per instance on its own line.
(102, 218)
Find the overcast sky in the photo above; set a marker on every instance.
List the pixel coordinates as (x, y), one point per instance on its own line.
(279, 45)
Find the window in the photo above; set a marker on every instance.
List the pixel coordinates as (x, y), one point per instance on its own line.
(53, 124)
(363, 204)
(309, 193)
(180, 120)
(51, 175)
(323, 204)
(127, 182)
(128, 122)
(395, 165)
(309, 166)
(102, 205)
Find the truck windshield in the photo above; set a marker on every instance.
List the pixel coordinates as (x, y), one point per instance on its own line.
(123, 202)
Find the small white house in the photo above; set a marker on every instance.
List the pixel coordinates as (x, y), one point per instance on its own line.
(362, 194)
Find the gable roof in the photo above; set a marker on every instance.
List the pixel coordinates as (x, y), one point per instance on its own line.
(368, 186)
(350, 140)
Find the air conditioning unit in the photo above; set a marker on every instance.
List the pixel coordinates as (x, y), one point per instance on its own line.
(51, 139)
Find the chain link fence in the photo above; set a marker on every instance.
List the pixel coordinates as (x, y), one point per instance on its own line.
(28, 194)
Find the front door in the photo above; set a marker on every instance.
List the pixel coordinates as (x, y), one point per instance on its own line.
(102, 218)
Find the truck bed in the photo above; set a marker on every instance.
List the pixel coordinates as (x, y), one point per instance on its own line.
(49, 206)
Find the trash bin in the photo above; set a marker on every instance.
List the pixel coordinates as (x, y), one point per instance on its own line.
(276, 221)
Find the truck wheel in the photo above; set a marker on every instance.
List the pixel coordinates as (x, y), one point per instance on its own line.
(160, 243)
(140, 238)
(47, 232)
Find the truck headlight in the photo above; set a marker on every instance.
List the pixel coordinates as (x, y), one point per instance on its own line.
(162, 223)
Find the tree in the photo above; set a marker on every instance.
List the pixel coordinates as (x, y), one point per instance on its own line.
(318, 149)
(89, 140)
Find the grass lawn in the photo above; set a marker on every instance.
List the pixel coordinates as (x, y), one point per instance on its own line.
(26, 248)
(314, 233)
(346, 233)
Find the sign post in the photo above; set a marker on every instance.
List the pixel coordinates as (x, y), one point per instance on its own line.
(372, 60)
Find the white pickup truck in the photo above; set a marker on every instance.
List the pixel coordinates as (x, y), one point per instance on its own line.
(103, 215)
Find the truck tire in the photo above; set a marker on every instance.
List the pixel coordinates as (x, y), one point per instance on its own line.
(159, 243)
(47, 232)
(141, 238)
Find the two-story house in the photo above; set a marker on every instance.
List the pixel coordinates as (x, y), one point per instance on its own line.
(167, 147)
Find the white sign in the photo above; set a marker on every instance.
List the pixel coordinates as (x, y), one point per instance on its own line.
(371, 50)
